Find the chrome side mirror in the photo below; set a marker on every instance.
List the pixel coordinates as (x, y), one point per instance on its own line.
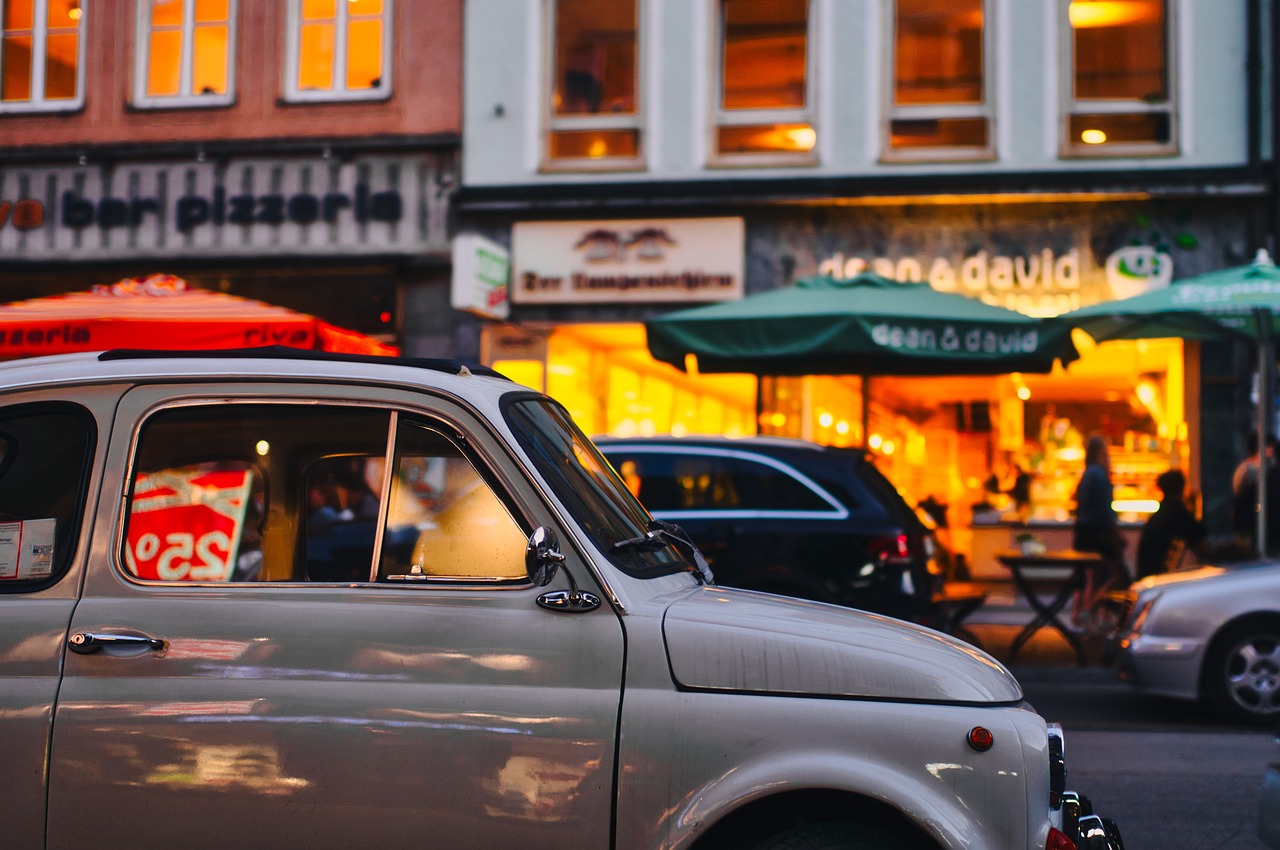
(542, 557)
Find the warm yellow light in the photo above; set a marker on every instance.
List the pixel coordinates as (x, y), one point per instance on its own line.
(262, 447)
(842, 427)
(875, 441)
(691, 364)
(802, 138)
(1146, 392)
(826, 420)
(1135, 506)
(598, 148)
(74, 13)
(778, 419)
(678, 429)
(1024, 393)
(1112, 13)
(1093, 137)
(888, 447)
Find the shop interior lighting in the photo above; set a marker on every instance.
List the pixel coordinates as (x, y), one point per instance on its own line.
(263, 448)
(826, 420)
(842, 427)
(1135, 506)
(888, 447)
(1111, 13)
(875, 441)
(1024, 392)
(74, 12)
(1093, 137)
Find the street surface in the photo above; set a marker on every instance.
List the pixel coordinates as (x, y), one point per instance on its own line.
(1171, 774)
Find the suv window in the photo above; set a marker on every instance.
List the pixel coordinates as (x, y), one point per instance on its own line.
(44, 470)
(290, 492)
(707, 479)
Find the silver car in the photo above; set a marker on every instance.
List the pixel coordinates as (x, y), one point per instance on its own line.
(1211, 633)
(283, 599)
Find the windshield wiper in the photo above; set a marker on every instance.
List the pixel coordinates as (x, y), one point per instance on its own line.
(662, 534)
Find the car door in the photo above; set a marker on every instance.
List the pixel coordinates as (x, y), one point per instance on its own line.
(255, 683)
(46, 453)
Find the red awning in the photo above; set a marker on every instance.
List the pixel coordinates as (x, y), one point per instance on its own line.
(161, 312)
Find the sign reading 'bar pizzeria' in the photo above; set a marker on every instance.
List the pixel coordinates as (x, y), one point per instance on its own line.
(675, 260)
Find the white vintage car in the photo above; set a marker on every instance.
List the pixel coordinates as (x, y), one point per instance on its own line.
(273, 598)
(1211, 633)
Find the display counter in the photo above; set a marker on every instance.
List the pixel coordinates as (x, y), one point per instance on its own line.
(1002, 535)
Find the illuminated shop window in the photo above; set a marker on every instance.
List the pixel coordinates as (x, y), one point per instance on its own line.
(1118, 98)
(185, 52)
(594, 120)
(339, 50)
(939, 107)
(41, 55)
(763, 111)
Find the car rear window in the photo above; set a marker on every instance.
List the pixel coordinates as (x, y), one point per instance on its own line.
(45, 453)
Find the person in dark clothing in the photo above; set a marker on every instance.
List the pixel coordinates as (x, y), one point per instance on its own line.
(1171, 530)
(1097, 528)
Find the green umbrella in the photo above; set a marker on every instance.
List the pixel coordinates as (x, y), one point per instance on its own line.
(1242, 302)
(865, 325)
(1217, 305)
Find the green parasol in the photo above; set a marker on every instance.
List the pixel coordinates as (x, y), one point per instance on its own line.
(1242, 302)
(865, 325)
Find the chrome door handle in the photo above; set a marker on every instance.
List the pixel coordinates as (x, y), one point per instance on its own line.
(87, 643)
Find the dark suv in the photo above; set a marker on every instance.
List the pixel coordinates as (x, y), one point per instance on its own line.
(789, 517)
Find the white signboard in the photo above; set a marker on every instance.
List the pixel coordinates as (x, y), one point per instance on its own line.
(574, 262)
(26, 549)
(369, 205)
(481, 271)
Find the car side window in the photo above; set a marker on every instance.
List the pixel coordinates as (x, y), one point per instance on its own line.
(45, 453)
(259, 492)
(711, 482)
(443, 519)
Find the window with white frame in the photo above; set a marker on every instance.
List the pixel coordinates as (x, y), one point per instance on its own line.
(1118, 92)
(938, 102)
(185, 52)
(41, 55)
(764, 99)
(339, 50)
(594, 118)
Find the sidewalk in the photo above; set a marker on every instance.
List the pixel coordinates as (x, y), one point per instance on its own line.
(1004, 614)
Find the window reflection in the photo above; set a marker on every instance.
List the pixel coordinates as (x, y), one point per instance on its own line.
(938, 88)
(938, 56)
(1119, 81)
(188, 48)
(40, 66)
(593, 103)
(341, 46)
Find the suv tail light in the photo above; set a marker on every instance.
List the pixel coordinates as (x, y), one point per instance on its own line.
(893, 547)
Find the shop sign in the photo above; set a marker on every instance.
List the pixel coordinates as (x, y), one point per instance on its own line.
(674, 260)
(481, 271)
(374, 205)
(1039, 283)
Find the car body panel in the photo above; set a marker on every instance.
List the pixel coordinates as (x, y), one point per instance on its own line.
(727, 639)
(428, 710)
(1166, 656)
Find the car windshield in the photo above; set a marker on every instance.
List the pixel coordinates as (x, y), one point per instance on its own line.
(586, 484)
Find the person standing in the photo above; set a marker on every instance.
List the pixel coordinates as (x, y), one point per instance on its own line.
(1097, 528)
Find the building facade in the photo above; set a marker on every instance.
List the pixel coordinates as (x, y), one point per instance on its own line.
(1040, 155)
(301, 152)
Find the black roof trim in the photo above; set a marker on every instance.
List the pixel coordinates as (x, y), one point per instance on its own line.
(282, 352)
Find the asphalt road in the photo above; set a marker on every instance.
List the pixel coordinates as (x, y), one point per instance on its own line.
(1171, 773)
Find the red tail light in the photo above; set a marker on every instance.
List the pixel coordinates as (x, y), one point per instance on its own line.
(891, 547)
(1058, 841)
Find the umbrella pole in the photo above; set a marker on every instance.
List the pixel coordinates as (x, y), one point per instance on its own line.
(1262, 317)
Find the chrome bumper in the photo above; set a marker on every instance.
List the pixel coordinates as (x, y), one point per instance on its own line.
(1086, 829)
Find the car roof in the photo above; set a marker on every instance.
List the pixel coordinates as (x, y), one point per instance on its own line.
(759, 442)
(266, 363)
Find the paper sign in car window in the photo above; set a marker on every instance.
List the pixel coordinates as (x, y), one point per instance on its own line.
(26, 549)
(185, 524)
